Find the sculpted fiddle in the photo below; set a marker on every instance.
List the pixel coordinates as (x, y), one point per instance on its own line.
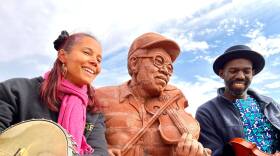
(145, 116)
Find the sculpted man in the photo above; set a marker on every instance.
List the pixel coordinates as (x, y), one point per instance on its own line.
(145, 116)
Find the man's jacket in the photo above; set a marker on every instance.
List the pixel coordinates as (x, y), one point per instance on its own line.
(220, 120)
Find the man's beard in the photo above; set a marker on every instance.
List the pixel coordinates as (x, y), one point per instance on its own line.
(150, 88)
(237, 92)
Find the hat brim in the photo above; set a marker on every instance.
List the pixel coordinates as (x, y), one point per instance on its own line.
(256, 59)
(170, 46)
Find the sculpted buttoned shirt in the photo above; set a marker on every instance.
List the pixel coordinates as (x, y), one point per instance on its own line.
(125, 116)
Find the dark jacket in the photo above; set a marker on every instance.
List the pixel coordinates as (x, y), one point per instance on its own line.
(220, 121)
(20, 100)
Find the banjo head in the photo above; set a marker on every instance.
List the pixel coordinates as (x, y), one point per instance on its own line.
(36, 137)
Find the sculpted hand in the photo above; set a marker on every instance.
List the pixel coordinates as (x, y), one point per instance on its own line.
(188, 146)
(114, 152)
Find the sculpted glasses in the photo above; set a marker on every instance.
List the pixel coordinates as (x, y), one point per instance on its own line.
(160, 62)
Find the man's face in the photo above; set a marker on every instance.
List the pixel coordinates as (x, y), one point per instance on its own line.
(154, 70)
(237, 75)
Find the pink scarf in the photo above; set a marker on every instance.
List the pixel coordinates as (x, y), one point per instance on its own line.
(72, 114)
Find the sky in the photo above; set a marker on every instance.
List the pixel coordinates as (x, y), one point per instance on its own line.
(204, 29)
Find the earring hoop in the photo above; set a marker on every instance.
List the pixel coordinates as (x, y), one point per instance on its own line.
(64, 69)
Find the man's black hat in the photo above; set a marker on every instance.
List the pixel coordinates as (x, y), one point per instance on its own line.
(239, 51)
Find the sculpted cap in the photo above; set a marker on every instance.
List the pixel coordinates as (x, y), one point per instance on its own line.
(155, 40)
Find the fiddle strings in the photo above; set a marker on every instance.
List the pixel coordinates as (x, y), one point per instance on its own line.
(177, 120)
(179, 123)
(134, 138)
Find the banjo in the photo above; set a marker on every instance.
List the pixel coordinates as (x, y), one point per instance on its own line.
(36, 137)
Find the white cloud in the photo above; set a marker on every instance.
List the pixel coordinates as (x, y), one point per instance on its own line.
(190, 45)
(273, 85)
(276, 62)
(231, 16)
(265, 82)
(31, 26)
(266, 45)
(204, 89)
(43, 68)
(209, 59)
(228, 25)
(265, 76)
(231, 24)
(186, 41)
(109, 77)
(119, 22)
(24, 29)
(115, 23)
(207, 31)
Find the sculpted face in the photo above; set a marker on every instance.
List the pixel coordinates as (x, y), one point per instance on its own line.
(237, 75)
(154, 68)
(83, 61)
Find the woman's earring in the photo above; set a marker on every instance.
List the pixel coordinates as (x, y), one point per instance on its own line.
(64, 70)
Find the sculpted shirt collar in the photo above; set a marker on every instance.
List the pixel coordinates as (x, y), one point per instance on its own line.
(124, 91)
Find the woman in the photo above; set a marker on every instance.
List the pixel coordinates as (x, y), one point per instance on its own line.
(63, 95)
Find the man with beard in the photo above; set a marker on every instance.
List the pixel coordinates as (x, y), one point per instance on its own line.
(239, 112)
(145, 116)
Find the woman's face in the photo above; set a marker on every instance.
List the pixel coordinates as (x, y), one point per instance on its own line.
(83, 61)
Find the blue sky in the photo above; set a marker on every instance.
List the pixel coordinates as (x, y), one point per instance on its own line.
(203, 29)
